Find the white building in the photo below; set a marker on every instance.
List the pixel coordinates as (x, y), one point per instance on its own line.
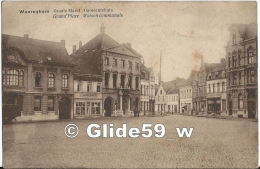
(172, 100)
(160, 100)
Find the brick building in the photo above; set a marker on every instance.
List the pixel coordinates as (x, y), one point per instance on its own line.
(241, 66)
(37, 79)
(119, 66)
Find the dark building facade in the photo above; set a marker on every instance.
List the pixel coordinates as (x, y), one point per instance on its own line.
(119, 66)
(241, 66)
(37, 79)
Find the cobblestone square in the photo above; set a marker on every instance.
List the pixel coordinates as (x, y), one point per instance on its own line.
(216, 143)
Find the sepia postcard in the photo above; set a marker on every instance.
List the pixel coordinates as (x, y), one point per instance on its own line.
(129, 84)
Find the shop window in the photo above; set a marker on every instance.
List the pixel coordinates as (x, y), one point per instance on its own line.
(51, 102)
(80, 108)
(37, 103)
(95, 108)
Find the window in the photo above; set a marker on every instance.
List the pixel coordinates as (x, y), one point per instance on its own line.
(80, 108)
(123, 63)
(51, 83)
(78, 86)
(218, 87)
(252, 76)
(213, 88)
(38, 76)
(12, 77)
(106, 79)
(223, 87)
(137, 83)
(65, 81)
(240, 101)
(238, 57)
(114, 80)
(250, 55)
(95, 108)
(51, 103)
(137, 66)
(209, 89)
(106, 61)
(130, 81)
(89, 87)
(239, 77)
(122, 84)
(114, 62)
(98, 87)
(21, 78)
(37, 103)
(229, 61)
(130, 65)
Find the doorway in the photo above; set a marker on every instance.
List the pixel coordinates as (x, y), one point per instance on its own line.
(64, 108)
(108, 106)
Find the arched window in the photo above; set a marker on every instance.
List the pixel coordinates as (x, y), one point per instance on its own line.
(250, 55)
(51, 83)
(240, 101)
(65, 81)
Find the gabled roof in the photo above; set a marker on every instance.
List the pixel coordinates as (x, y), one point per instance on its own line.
(35, 50)
(106, 43)
(88, 57)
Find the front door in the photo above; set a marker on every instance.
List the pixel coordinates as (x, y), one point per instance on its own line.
(64, 108)
(108, 106)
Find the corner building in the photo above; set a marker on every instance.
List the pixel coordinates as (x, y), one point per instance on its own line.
(241, 66)
(119, 66)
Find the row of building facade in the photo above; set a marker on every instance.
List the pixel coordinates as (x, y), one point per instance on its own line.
(104, 78)
(227, 88)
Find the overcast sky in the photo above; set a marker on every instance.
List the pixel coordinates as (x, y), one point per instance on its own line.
(183, 31)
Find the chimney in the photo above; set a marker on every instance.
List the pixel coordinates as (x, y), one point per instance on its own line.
(74, 48)
(62, 43)
(26, 36)
(80, 44)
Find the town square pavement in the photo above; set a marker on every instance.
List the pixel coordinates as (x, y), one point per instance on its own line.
(221, 143)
